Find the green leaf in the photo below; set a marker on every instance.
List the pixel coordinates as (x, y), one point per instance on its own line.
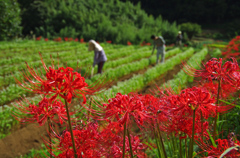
(238, 106)
(228, 150)
(212, 140)
(152, 148)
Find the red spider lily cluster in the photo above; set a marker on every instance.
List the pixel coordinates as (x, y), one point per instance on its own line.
(119, 126)
(68, 39)
(129, 43)
(171, 45)
(145, 44)
(232, 49)
(217, 149)
(41, 112)
(46, 39)
(109, 42)
(39, 38)
(59, 39)
(82, 40)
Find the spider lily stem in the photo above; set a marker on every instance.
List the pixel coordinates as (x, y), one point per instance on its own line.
(130, 145)
(180, 147)
(50, 139)
(155, 135)
(217, 104)
(70, 128)
(161, 141)
(202, 125)
(192, 139)
(124, 135)
(90, 106)
(186, 152)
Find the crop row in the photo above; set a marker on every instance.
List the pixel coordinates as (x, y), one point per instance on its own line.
(181, 79)
(122, 70)
(62, 57)
(13, 91)
(17, 58)
(112, 55)
(12, 54)
(139, 81)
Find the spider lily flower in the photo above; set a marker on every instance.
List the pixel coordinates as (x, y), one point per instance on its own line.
(41, 112)
(197, 99)
(87, 142)
(123, 107)
(183, 125)
(221, 146)
(227, 89)
(214, 69)
(112, 141)
(63, 82)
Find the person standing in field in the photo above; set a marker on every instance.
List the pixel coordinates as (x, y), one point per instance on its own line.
(179, 40)
(159, 42)
(99, 55)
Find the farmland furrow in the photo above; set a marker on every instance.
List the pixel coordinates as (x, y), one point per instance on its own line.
(139, 81)
(126, 71)
(181, 79)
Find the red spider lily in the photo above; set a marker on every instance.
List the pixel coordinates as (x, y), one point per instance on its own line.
(63, 82)
(232, 49)
(137, 147)
(158, 109)
(87, 142)
(122, 107)
(112, 140)
(148, 44)
(109, 42)
(129, 43)
(65, 38)
(38, 38)
(81, 40)
(76, 40)
(143, 43)
(183, 125)
(222, 145)
(91, 143)
(226, 89)
(236, 79)
(46, 39)
(57, 39)
(214, 69)
(41, 112)
(197, 99)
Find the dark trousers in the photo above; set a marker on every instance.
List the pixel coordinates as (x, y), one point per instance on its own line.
(100, 66)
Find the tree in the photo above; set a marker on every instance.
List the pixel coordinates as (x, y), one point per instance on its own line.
(9, 19)
(191, 29)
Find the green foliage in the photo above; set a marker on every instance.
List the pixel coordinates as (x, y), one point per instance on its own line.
(7, 120)
(191, 29)
(9, 19)
(100, 20)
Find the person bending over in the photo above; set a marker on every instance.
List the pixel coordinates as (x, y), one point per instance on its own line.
(159, 42)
